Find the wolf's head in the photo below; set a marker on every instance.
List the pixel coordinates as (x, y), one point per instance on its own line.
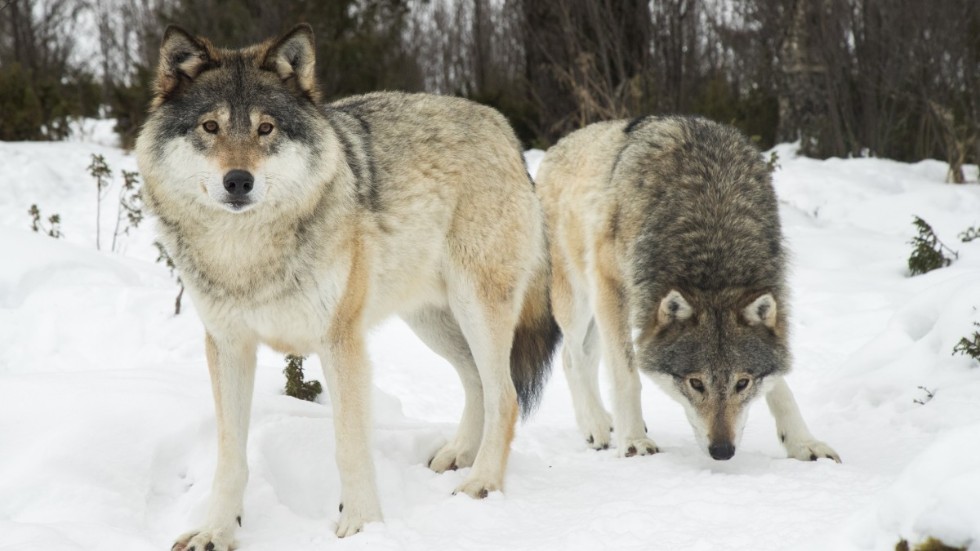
(234, 131)
(713, 352)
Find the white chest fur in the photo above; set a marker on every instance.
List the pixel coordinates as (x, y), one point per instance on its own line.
(296, 320)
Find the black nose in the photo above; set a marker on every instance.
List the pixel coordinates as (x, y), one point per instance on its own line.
(239, 182)
(721, 451)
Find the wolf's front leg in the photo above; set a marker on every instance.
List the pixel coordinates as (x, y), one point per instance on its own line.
(617, 349)
(348, 376)
(792, 430)
(231, 362)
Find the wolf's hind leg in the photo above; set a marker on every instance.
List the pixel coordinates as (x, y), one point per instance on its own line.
(580, 357)
(438, 329)
(581, 361)
(791, 428)
(617, 350)
(231, 363)
(488, 324)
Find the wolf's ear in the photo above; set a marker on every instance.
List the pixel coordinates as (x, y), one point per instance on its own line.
(762, 310)
(182, 58)
(293, 58)
(674, 308)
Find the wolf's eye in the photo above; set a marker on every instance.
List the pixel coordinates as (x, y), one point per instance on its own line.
(210, 127)
(265, 129)
(696, 384)
(742, 384)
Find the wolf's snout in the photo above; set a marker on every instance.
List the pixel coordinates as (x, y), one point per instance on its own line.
(238, 182)
(722, 451)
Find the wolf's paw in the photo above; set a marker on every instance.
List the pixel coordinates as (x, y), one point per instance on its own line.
(599, 440)
(637, 446)
(353, 519)
(204, 540)
(598, 430)
(477, 488)
(810, 450)
(451, 457)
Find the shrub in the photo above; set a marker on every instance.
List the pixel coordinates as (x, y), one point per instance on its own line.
(931, 544)
(929, 253)
(164, 257)
(39, 107)
(969, 346)
(130, 206)
(295, 385)
(99, 170)
(53, 227)
(773, 162)
(21, 108)
(128, 104)
(969, 234)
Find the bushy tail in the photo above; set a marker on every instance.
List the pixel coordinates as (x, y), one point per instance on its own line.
(535, 339)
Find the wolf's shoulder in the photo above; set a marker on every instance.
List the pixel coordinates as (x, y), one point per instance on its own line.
(420, 107)
(401, 101)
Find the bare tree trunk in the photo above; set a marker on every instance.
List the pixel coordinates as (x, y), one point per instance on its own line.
(481, 46)
(672, 23)
(106, 50)
(544, 50)
(955, 146)
(585, 61)
(804, 109)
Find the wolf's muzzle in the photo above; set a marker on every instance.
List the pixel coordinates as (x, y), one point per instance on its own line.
(238, 182)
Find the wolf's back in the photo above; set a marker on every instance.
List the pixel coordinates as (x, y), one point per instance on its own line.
(711, 218)
(413, 132)
(412, 125)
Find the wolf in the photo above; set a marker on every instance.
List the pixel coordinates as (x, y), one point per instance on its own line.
(667, 257)
(299, 226)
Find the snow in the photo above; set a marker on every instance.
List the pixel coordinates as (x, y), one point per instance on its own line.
(94, 131)
(107, 434)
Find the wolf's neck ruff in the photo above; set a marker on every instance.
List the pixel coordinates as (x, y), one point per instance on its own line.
(252, 255)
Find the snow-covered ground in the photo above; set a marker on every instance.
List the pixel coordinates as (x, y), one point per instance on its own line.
(107, 436)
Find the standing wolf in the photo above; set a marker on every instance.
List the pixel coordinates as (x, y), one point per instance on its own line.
(666, 247)
(300, 226)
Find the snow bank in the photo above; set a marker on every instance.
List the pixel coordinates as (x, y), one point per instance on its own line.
(937, 494)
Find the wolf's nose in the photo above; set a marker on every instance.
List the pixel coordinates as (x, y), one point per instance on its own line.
(238, 182)
(721, 451)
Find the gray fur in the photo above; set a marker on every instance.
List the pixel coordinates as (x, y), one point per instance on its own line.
(669, 227)
(707, 225)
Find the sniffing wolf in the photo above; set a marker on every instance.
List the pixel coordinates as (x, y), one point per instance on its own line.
(666, 248)
(300, 226)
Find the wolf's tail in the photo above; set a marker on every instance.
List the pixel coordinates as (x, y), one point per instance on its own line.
(535, 339)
